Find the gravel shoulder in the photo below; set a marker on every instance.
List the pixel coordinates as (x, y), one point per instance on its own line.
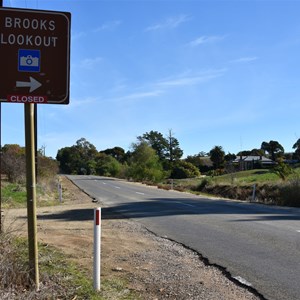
(154, 267)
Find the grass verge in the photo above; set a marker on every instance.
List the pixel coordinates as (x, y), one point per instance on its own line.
(14, 195)
(269, 188)
(59, 277)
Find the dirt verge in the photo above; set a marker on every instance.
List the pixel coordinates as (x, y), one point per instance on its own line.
(154, 267)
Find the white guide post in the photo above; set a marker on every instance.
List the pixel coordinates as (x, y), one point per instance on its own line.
(97, 248)
(60, 192)
(253, 193)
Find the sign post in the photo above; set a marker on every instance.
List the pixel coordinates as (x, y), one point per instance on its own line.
(35, 69)
(1, 4)
(31, 194)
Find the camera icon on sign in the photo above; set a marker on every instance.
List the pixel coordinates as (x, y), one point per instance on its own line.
(29, 61)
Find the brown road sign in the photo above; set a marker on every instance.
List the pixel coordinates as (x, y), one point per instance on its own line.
(34, 56)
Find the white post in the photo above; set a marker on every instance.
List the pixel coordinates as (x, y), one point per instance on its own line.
(60, 192)
(253, 193)
(97, 248)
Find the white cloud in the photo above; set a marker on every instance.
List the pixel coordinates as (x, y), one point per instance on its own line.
(139, 95)
(245, 59)
(205, 39)
(169, 23)
(157, 88)
(74, 103)
(111, 25)
(77, 35)
(89, 63)
(191, 79)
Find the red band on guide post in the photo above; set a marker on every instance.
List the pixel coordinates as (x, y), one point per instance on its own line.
(98, 217)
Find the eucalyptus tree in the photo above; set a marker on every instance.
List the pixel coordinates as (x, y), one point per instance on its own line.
(117, 152)
(174, 152)
(107, 165)
(167, 148)
(217, 156)
(78, 159)
(157, 141)
(144, 163)
(274, 149)
(296, 146)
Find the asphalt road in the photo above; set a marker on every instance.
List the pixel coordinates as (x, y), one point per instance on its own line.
(257, 244)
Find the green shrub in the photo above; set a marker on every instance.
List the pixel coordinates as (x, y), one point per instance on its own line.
(184, 169)
(204, 182)
(282, 170)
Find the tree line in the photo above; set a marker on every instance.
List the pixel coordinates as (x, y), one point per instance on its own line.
(153, 157)
(13, 164)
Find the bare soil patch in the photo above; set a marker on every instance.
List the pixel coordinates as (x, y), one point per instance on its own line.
(154, 267)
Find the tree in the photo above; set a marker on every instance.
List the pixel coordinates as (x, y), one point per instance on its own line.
(144, 164)
(13, 162)
(106, 165)
(229, 157)
(244, 153)
(296, 146)
(68, 159)
(167, 149)
(156, 140)
(78, 159)
(174, 152)
(282, 170)
(47, 167)
(117, 152)
(86, 150)
(274, 149)
(255, 152)
(217, 156)
(200, 161)
(14, 165)
(195, 160)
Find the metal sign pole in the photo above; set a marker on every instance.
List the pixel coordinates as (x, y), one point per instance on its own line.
(1, 4)
(0, 169)
(31, 193)
(36, 141)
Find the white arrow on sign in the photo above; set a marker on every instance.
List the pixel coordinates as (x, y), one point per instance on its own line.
(32, 84)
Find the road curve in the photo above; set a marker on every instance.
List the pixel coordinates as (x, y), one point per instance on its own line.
(257, 244)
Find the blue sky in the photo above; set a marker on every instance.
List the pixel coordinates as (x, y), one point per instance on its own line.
(214, 72)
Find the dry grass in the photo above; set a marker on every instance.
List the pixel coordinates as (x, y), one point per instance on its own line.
(59, 279)
(14, 274)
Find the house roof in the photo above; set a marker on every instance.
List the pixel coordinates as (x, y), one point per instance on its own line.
(254, 158)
